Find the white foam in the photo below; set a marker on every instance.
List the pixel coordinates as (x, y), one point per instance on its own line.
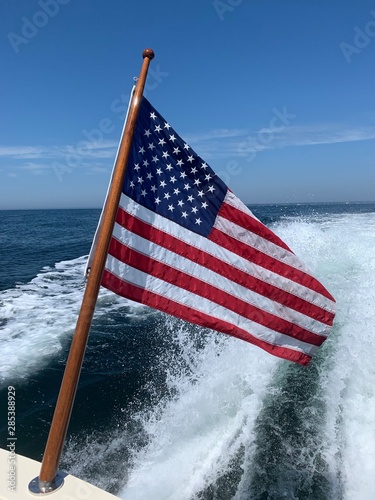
(193, 438)
(348, 375)
(38, 317)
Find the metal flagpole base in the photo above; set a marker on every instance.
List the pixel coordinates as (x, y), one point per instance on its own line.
(37, 487)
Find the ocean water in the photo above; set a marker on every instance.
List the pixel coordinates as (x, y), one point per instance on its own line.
(169, 411)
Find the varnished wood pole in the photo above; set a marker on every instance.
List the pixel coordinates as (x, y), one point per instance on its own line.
(60, 421)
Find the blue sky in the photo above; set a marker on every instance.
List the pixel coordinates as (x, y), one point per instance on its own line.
(276, 95)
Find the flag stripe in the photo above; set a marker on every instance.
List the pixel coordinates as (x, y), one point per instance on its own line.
(155, 301)
(247, 220)
(281, 290)
(166, 269)
(233, 243)
(139, 286)
(206, 268)
(229, 234)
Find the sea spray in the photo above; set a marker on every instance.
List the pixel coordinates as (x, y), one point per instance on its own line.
(181, 412)
(348, 376)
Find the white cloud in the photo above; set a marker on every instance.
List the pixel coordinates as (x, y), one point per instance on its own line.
(326, 134)
(214, 144)
(36, 168)
(84, 150)
(21, 152)
(241, 142)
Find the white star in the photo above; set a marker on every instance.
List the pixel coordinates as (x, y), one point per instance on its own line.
(151, 146)
(141, 150)
(176, 191)
(180, 163)
(163, 184)
(194, 210)
(198, 221)
(172, 138)
(184, 215)
(159, 171)
(147, 133)
(155, 159)
(183, 175)
(149, 176)
(180, 203)
(131, 184)
(152, 115)
(190, 159)
(187, 186)
(145, 163)
(194, 170)
(204, 166)
(136, 166)
(169, 166)
(200, 194)
(158, 128)
(165, 154)
(140, 180)
(208, 177)
(176, 150)
(211, 189)
(197, 182)
(144, 192)
(186, 146)
(161, 142)
(167, 126)
(204, 204)
(153, 189)
(157, 200)
(171, 208)
(190, 197)
(173, 179)
(167, 196)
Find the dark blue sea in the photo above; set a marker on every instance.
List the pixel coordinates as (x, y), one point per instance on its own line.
(169, 411)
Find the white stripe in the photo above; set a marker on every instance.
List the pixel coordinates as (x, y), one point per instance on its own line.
(211, 248)
(200, 304)
(206, 275)
(252, 239)
(231, 199)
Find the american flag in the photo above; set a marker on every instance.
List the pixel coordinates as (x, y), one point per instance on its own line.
(184, 244)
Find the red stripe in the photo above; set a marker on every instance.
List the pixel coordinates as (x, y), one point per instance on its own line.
(261, 259)
(250, 224)
(201, 288)
(215, 264)
(245, 221)
(151, 299)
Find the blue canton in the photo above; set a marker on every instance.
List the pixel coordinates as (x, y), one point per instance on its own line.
(165, 175)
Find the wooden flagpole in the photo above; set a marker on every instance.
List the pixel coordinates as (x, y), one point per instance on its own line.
(60, 421)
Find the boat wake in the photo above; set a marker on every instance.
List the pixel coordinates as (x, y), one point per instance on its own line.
(199, 415)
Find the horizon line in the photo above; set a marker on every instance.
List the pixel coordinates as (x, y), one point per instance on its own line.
(345, 202)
